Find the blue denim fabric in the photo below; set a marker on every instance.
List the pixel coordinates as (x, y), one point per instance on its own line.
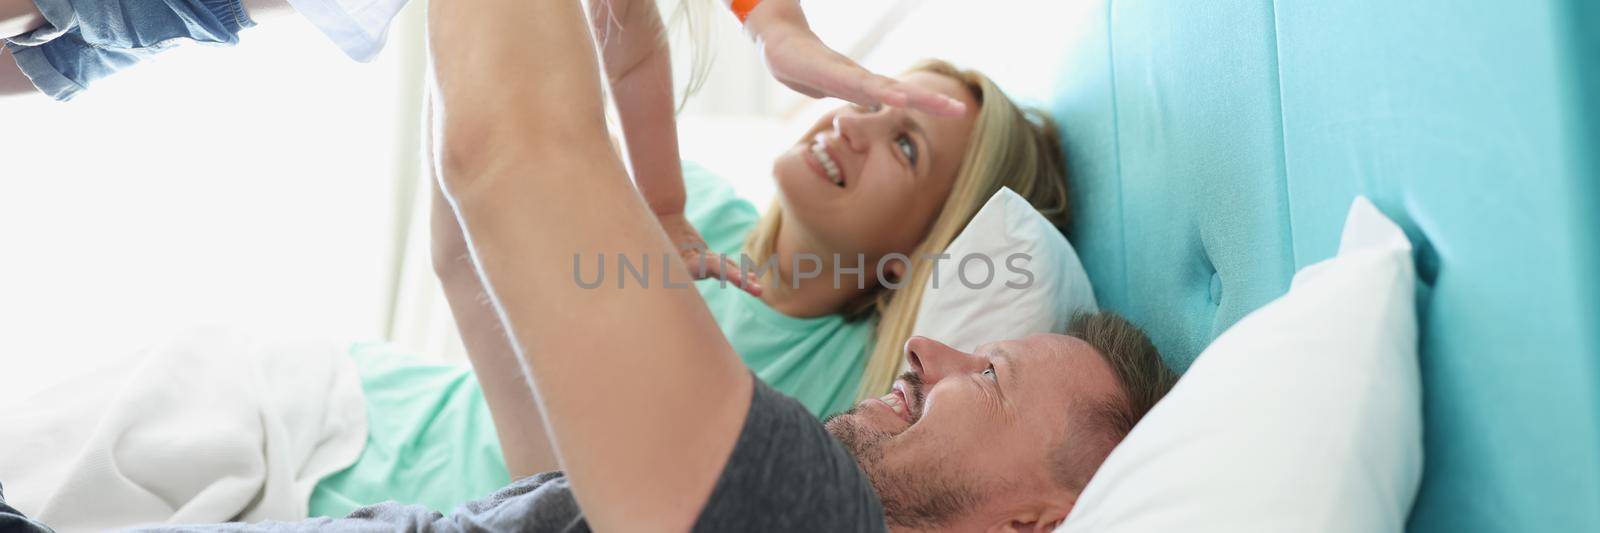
(86, 40)
(12, 520)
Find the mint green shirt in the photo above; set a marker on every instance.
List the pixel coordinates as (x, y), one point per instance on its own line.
(815, 360)
(432, 442)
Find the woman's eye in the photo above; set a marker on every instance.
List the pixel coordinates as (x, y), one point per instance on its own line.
(908, 148)
(989, 372)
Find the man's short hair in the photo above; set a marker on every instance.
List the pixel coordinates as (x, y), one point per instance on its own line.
(1098, 427)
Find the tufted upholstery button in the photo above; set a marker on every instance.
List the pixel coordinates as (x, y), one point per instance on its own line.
(1427, 261)
(1216, 288)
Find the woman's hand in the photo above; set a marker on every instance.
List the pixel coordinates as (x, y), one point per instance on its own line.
(798, 59)
(701, 261)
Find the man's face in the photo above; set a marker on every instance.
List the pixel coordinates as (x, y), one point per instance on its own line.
(965, 438)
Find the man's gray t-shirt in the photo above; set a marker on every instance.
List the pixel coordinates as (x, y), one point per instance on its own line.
(786, 473)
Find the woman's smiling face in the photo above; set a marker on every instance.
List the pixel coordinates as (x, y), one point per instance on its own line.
(872, 181)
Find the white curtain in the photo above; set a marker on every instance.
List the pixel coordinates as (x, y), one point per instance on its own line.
(259, 186)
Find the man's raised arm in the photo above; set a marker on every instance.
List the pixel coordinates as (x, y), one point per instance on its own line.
(643, 396)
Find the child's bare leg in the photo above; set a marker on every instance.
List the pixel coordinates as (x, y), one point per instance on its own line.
(18, 17)
(12, 80)
(261, 10)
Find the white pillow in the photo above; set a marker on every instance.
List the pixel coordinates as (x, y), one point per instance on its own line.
(1304, 416)
(959, 309)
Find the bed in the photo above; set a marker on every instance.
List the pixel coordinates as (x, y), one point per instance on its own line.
(1215, 146)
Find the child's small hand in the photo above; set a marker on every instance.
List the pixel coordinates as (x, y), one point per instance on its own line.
(798, 59)
(702, 262)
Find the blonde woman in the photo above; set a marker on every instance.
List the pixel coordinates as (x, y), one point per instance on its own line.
(903, 182)
(906, 183)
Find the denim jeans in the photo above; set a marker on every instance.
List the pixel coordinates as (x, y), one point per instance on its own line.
(12, 520)
(86, 40)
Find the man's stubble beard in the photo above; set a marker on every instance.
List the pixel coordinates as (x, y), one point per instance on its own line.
(917, 496)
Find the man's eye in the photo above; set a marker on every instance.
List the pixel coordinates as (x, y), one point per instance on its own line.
(908, 148)
(989, 372)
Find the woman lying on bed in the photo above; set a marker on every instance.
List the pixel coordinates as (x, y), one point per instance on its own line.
(859, 181)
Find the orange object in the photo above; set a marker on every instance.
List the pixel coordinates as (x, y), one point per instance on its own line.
(742, 8)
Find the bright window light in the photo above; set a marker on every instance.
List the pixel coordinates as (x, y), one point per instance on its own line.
(253, 186)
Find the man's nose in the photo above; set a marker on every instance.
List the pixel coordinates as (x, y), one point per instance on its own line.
(933, 360)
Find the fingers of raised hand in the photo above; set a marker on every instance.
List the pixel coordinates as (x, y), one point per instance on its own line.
(711, 265)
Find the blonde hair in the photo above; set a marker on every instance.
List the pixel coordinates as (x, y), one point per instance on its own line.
(695, 19)
(1009, 147)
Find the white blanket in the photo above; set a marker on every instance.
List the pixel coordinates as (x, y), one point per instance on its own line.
(209, 426)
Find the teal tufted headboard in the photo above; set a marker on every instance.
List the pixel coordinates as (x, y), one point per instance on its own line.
(1216, 145)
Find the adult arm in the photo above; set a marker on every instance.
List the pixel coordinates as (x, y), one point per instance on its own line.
(643, 396)
(638, 66)
(523, 440)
